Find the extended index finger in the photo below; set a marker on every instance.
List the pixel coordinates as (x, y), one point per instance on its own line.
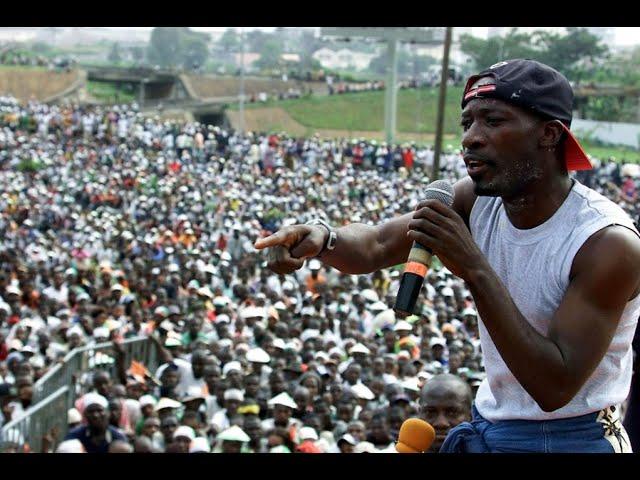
(277, 238)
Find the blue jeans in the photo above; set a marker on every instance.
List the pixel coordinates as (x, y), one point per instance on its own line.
(599, 432)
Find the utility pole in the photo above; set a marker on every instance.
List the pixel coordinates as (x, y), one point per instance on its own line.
(444, 77)
(391, 93)
(242, 126)
(414, 35)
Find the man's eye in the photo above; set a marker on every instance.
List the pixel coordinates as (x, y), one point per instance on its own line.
(465, 125)
(494, 121)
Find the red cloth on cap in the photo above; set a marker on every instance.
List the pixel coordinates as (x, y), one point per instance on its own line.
(308, 447)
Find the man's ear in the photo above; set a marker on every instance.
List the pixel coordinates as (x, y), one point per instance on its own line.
(551, 134)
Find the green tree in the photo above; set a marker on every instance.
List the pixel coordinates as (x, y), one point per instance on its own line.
(114, 55)
(230, 41)
(623, 68)
(379, 64)
(255, 40)
(137, 53)
(195, 53)
(484, 53)
(577, 54)
(177, 46)
(408, 63)
(270, 53)
(164, 46)
(574, 54)
(41, 47)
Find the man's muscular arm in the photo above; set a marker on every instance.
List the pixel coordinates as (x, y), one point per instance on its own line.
(359, 248)
(552, 368)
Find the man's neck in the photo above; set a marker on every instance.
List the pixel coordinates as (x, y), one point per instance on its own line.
(538, 203)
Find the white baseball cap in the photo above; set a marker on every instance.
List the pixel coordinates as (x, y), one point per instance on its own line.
(167, 403)
(308, 433)
(378, 307)
(347, 437)
(283, 399)
(258, 355)
(230, 366)
(184, 431)
(370, 295)
(411, 384)
(71, 446)
(147, 400)
(94, 399)
(234, 394)
(365, 447)
(359, 348)
(403, 325)
(362, 391)
(199, 445)
(233, 434)
(73, 416)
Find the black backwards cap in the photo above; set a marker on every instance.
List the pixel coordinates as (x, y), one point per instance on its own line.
(535, 87)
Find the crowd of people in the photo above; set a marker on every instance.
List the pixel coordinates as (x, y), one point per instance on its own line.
(115, 225)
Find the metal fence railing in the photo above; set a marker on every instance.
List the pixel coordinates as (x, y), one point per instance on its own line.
(84, 360)
(56, 392)
(26, 432)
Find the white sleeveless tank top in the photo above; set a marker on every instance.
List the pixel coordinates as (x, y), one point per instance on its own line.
(534, 265)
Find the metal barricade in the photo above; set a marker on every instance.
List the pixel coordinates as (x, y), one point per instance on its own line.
(26, 432)
(87, 359)
(56, 392)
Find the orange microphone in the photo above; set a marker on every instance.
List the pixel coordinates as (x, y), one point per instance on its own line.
(415, 436)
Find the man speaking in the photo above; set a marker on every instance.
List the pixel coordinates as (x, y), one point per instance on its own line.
(553, 266)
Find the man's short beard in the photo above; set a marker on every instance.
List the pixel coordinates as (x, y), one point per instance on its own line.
(512, 182)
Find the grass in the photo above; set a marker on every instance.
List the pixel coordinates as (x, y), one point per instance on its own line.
(106, 92)
(620, 153)
(417, 110)
(19, 68)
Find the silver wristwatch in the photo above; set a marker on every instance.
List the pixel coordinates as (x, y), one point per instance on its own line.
(333, 236)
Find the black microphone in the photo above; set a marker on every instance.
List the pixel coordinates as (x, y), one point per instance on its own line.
(419, 259)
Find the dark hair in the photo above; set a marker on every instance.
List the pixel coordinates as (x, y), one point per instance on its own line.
(284, 434)
(189, 414)
(313, 375)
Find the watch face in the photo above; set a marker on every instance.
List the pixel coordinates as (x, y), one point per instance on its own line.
(332, 240)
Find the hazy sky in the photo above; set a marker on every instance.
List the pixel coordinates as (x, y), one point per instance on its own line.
(624, 35)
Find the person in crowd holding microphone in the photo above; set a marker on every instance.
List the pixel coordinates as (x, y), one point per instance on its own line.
(553, 266)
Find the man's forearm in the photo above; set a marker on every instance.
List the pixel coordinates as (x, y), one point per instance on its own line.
(355, 251)
(535, 360)
(364, 249)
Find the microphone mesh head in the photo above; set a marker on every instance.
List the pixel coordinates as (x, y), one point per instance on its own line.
(440, 190)
(415, 436)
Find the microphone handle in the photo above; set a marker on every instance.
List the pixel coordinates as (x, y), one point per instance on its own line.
(415, 270)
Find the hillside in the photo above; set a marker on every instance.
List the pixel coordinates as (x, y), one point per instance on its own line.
(27, 83)
(417, 110)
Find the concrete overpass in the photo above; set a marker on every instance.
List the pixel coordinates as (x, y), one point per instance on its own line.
(582, 94)
(152, 85)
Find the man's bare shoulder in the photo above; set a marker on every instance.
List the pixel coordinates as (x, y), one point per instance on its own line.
(614, 249)
(464, 198)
